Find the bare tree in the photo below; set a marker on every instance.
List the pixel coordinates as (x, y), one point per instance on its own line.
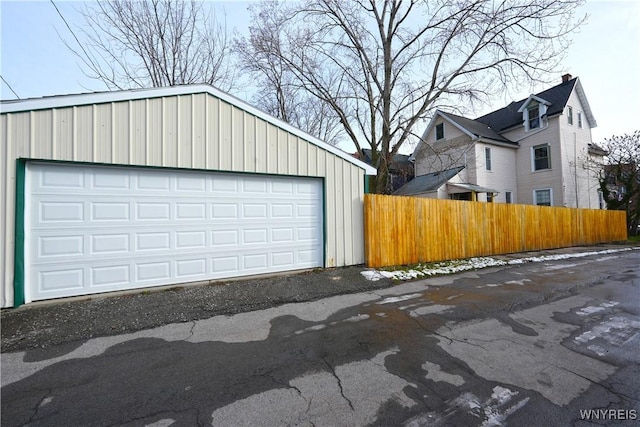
(279, 92)
(128, 43)
(620, 177)
(384, 65)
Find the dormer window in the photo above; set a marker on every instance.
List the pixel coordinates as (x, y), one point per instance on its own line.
(533, 113)
(439, 131)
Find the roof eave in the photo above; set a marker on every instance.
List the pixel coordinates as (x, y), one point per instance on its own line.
(585, 104)
(65, 101)
(531, 98)
(492, 141)
(412, 157)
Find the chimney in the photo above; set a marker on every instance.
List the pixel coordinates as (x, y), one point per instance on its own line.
(566, 78)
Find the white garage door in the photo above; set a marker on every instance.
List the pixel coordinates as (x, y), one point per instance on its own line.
(94, 229)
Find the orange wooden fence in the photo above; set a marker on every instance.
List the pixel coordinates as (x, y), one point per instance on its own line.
(409, 230)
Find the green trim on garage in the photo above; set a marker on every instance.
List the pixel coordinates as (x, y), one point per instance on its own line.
(18, 257)
(324, 222)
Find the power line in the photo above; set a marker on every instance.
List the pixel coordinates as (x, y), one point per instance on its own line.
(9, 86)
(73, 34)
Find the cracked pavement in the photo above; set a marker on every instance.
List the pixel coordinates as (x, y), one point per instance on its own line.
(544, 342)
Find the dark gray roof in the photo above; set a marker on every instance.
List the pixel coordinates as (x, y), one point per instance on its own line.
(429, 182)
(509, 116)
(477, 128)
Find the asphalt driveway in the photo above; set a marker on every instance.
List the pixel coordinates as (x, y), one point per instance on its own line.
(539, 343)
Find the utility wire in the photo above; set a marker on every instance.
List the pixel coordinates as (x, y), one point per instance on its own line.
(73, 34)
(9, 86)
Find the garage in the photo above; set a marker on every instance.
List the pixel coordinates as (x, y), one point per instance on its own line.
(95, 229)
(134, 189)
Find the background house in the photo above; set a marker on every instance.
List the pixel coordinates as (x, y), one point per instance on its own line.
(533, 151)
(401, 169)
(122, 190)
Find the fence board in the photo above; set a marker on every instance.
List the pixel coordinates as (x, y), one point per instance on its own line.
(409, 230)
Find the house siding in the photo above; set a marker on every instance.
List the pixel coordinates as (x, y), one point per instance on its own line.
(500, 177)
(580, 183)
(529, 180)
(198, 131)
(445, 154)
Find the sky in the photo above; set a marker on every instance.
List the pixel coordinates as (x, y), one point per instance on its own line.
(605, 55)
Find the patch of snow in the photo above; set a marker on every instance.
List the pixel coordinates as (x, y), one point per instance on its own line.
(502, 395)
(494, 411)
(372, 275)
(496, 415)
(517, 282)
(458, 266)
(592, 310)
(391, 300)
(589, 310)
(357, 318)
(597, 350)
(559, 266)
(615, 331)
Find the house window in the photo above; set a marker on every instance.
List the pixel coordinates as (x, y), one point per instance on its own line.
(541, 157)
(508, 197)
(579, 119)
(601, 199)
(542, 197)
(439, 131)
(487, 158)
(570, 115)
(489, 197)
(533, 116)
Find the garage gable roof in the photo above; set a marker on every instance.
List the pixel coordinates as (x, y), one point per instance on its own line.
(62, 101)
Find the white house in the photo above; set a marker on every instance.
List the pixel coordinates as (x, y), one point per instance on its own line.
(122, 190)
(533, 151)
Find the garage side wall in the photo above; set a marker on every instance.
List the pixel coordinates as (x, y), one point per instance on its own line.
(196, 131)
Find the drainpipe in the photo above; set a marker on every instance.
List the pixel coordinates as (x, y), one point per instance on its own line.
(575, 165)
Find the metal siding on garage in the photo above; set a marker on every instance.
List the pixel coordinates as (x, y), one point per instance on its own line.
(185, 127)
(95, 229)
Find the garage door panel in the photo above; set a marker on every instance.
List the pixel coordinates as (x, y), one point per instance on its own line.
(112, 276)
(66, 279)
(109, 180)
(254, 185)
(195, 267)
(225, 237)
(191, 184)
(51, 211)
(191, 239)
(153, 241)
(225, 264)
(52, 178)
(98, 229)
(190, 211)
(60, 246)
(109, 211)
(110, 243)
(152, 181)
(153, 211)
